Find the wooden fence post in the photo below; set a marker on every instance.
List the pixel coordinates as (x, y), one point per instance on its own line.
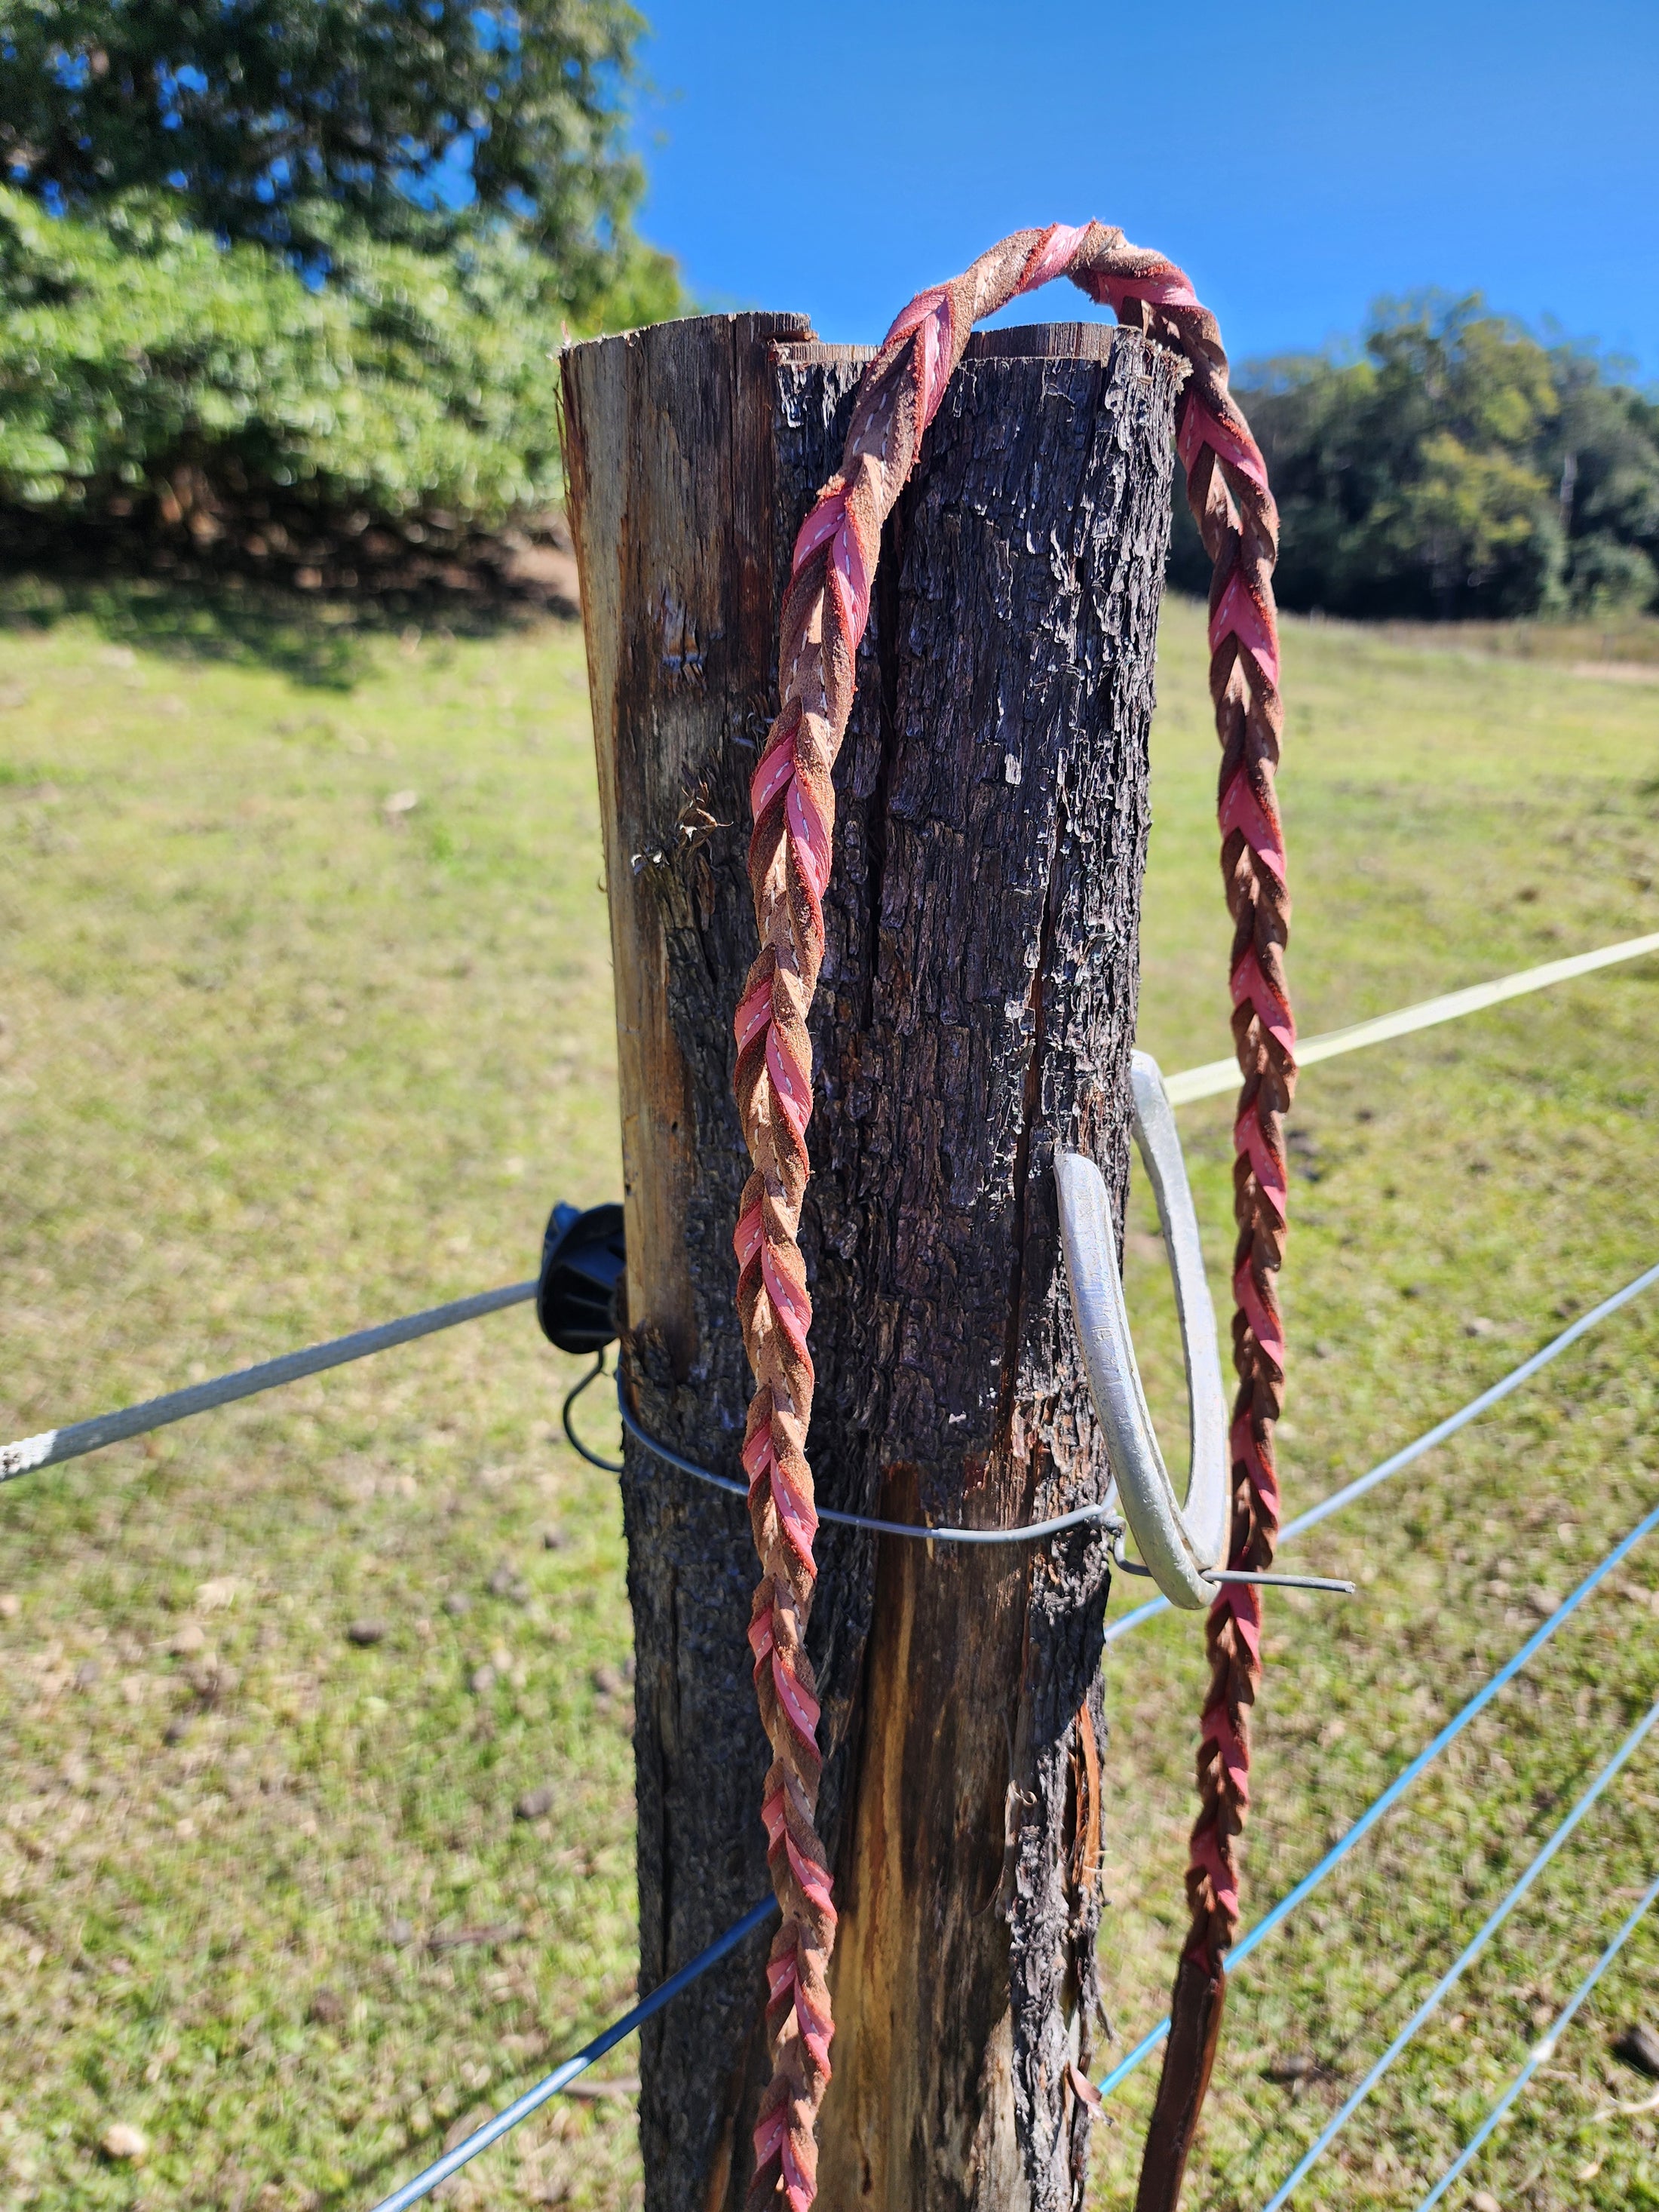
(977, 1006)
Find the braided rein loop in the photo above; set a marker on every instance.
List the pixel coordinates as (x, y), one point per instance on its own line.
(826, 607)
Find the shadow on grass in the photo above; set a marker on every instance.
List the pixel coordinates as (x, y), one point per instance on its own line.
(384, 2174)
(392, 2168)
(321, 641)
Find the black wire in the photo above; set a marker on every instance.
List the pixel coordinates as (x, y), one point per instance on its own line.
(611, 1466)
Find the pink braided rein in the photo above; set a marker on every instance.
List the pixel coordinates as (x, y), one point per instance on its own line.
(825, 610)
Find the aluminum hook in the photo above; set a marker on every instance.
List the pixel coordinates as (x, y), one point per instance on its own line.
(1183, 1546)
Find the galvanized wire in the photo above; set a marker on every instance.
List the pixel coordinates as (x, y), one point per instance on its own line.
(593, 1458)
(1027, 1532)
(1541, 2053)
(1402, 1782)
(1410, 1454)
(1465, 1957)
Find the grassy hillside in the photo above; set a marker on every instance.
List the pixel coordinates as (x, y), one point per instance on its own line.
(306, 1022)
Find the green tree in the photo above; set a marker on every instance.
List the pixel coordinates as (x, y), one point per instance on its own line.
(235, 270)
(139, 355)
(1456, 403)
(1603, 462)
(1453, 466)
(253, 116)
(1463, 513)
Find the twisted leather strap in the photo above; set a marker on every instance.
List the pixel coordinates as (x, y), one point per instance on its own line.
(825, 608)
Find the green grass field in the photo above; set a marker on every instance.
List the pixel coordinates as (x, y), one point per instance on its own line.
(305, 984)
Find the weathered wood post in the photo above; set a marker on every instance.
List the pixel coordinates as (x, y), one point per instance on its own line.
(977, 1007)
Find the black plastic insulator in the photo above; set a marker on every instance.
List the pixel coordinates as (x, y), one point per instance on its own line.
(578, 1302)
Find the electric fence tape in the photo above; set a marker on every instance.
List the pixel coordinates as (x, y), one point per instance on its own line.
(1217, 1076)
(52, 1446)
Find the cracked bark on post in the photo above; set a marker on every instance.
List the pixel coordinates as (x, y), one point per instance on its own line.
(976, 1007)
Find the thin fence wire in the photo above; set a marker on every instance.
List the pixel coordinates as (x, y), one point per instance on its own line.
(1022, 1531)
(563, 2077)
(1396, 1789)
(492, 2129)
(52, 1445)
(1397, 1462)
(1465, 1959)
(1102, 1510)
(1541, 2053)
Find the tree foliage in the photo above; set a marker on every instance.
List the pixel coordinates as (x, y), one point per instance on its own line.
(256, 116)
(1456, 466)
(234, 252)
(137, 346)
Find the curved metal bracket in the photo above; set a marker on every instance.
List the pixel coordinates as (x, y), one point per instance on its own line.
(1183, 1546)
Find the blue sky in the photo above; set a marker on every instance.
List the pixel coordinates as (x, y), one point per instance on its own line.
(1296, 159)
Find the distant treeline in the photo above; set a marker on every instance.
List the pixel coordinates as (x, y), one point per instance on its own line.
(1453, 467)
(305, 317)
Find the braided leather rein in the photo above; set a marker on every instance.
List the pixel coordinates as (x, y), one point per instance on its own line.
(825, 608)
